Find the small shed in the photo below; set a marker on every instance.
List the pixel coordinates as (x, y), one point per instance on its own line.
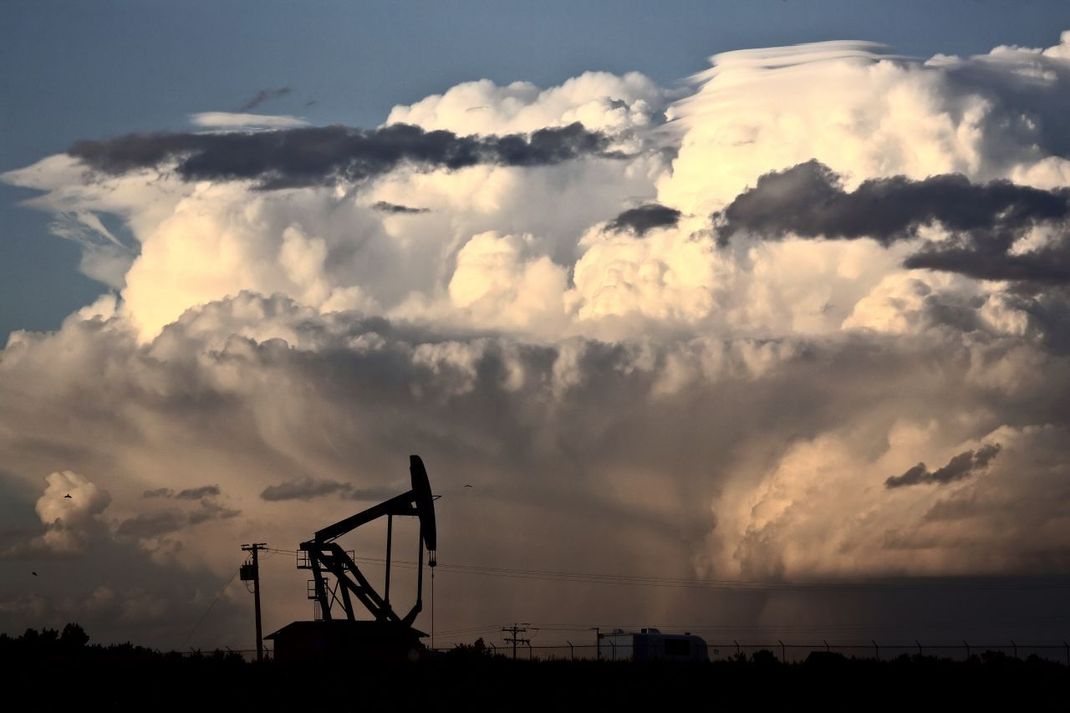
(346, 641)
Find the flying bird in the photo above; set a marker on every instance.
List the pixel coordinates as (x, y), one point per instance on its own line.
(33, 573)
(67, 496)
(467, 485)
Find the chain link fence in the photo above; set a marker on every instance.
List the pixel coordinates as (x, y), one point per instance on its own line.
(788, 652)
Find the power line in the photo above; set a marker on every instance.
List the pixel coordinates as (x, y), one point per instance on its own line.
(209, 609)
(723, 584)
(726, 584)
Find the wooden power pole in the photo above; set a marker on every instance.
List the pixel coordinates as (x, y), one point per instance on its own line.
(250, 571)
(516, 629)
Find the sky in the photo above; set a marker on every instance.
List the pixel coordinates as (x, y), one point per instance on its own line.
(765, 302)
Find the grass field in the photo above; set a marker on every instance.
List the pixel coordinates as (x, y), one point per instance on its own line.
(53, 670)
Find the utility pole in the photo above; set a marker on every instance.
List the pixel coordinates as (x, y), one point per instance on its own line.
(251, 571)
(514, 640)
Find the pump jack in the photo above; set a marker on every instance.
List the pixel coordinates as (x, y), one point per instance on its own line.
(338, 584)
(324, 556)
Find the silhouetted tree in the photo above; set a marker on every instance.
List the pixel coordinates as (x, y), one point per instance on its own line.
(73, 636)
(764, 657)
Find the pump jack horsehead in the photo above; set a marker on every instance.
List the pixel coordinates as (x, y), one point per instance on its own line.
(327, 559)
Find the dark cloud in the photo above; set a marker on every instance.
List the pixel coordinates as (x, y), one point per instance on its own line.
(961, 466)
(262, 96)
(205, 491)
(984, 219)
(162, 522)
(385, 207)
(151, 524)
(317, 155)
(307, 488)
(200, 493)
(990, 258)
(809, 200)
(645, 217)
(210, 511)
(301, 489)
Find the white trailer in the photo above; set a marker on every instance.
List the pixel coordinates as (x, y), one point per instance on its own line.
(651, 645)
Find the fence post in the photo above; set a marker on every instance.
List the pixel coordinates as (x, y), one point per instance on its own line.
(967, 649)
(783, 655)
(920, 652)
(571, 651)
(612, 650)
(876, 649)
(737, 647)
(1015, 646)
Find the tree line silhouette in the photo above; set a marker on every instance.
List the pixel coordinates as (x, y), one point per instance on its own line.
(62, 668)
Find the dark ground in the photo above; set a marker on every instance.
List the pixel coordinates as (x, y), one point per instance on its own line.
(60, 671)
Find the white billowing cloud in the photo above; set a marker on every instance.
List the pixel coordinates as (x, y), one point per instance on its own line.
(865, 114)
(599, 100)
(495, 284)
(225, 238)
(70, 509)
(804, 286)
(862, 112)
(823, 509)
(140, 200)
(903, 302)
(230, 121)
(327, 246)
(666, 275)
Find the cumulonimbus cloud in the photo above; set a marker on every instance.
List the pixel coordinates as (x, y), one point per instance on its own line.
(568, 333)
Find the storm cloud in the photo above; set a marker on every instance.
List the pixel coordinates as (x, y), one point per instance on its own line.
(993, 258)
(161, 522)
(308, 488)
(317, 155)
(809, 200)
(645, 217)
(961, 466)
(205, 491)
(984, 220)
(396, 209)
(199, 493)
